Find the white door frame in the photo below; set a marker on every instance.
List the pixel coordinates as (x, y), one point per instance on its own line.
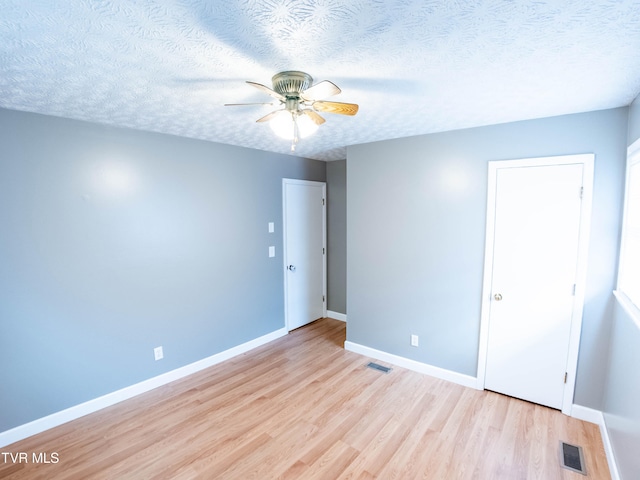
(587, 160)
(292, 181)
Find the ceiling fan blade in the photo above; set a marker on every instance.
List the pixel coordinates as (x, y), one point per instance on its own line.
(323, 89)
(317, 119)
(268, 91)
(269, 116)
(336, 107)
(247, 104)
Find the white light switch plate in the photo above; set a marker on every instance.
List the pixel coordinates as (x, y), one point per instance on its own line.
(271, 227)
(272, 251)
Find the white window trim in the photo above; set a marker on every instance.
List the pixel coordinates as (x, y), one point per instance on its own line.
(633, 158)
(628, 306)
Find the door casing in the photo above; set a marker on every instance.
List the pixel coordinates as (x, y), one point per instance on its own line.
(587, 160)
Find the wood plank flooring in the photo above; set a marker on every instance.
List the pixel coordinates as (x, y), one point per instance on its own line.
(302, 407)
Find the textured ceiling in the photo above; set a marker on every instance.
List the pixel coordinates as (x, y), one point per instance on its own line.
(413, 66)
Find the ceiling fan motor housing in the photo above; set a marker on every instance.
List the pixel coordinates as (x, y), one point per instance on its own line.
(291, 83)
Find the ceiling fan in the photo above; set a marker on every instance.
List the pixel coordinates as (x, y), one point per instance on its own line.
(301, 101)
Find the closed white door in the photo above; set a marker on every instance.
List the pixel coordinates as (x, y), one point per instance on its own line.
(533, 280)
(304, 251)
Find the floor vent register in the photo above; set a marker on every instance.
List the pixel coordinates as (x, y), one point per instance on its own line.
(376, 366)
(572, 458)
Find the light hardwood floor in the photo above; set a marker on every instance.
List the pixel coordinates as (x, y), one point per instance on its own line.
(302, 407)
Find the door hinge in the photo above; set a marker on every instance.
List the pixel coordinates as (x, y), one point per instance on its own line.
(323, 201)
(322, 298)
(581, 192)
(574, 290)
(565, 377)
(323, 250)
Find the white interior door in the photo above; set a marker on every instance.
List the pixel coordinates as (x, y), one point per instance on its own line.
(304, 251)
(534, 277)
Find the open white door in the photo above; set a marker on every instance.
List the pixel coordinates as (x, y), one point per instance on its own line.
(304, 212)
(537, 226)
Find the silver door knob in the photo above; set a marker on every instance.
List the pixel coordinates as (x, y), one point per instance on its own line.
(497, 297)
(291, 268)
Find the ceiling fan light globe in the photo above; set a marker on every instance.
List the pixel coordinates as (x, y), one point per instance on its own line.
(283, 125)
(306, 126)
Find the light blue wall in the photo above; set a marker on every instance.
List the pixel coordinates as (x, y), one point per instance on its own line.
(622, 392)
(416, 231)
(337, 236)
(115, 241)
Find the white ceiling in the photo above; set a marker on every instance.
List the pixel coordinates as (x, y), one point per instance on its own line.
(413, 66)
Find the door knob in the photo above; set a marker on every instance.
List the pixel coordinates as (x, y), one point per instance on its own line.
(497, 297)
(291, 268)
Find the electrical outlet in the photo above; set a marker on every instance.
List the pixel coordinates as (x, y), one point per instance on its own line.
(158, 353)
(414, 340)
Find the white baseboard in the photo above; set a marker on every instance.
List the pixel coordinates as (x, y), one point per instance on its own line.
(587, 414)
(337, 316)
(45, 423)
(448, 375)
(595, 416)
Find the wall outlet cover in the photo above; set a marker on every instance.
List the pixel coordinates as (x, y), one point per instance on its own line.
(158, 354)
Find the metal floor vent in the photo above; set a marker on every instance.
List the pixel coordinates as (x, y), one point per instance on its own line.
(376, 366)
(571, 458)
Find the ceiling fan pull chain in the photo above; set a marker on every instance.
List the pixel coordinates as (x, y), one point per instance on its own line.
(296, 132)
